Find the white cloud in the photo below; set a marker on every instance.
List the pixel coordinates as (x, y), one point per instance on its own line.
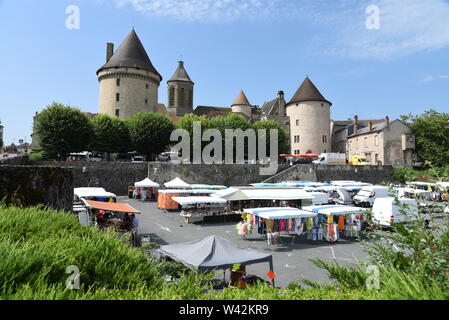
(206, 10)
(337, 27)
(406, 26)
(432, 78)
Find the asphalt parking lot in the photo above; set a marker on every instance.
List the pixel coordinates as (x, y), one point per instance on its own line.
(290, 260)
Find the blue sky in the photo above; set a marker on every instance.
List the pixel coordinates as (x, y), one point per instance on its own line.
(260, 46)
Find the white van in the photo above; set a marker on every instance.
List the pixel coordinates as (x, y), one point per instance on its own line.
(366, 196)
(331, 159)
(387, 211)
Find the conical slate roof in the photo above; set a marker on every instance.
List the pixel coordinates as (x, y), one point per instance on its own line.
(180, 74)
(308, 92)
(131, 53)
(241, 100)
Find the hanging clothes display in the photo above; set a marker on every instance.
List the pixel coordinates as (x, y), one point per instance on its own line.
(341, 223)
(332, 233)
(299, 226)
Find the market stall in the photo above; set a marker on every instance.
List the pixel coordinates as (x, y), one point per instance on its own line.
(250, 197)
(177, 184)
(332, 220)
(207, 187)
(116, 216)
(275, 220)
(203, 209)
(165, 197)
(96, 194)
(214, 253)
(145, 190)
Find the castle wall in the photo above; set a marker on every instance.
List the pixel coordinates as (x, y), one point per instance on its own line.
(313, 123)
(135, 87)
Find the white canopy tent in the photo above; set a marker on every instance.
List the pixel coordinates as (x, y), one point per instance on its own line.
(146, 183)
(190, 191)
(93, 193)
(177, 184)
(335, 210)
(280, 213)
(283, 194)
(183, 201)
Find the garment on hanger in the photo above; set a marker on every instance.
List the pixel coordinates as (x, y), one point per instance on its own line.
(299, 226)
(309, 224)
(341, 223)
(282, 225)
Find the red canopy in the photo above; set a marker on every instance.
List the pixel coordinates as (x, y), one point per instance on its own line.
(110, 206)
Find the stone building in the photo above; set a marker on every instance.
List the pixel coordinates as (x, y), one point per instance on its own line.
(383, 143)
(129, 82)
(309, 114)
(341, 130)
(180, 92)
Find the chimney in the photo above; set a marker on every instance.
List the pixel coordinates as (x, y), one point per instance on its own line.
(356, 123)
(109, 51)
(281, 94)
(387, 120)
(181, 64)
(370, 126)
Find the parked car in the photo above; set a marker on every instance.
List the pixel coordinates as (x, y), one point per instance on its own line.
(138, 159)
(367, 195)
(387, 211)
(358, 160)
(331, 159)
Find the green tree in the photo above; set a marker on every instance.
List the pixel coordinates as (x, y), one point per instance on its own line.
(110, 134)
(150, 133)
(432, 136)
(282, 135)
(186, 123)
(63, 130)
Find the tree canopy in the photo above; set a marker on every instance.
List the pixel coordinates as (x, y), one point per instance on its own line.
(63, 130)
(150, 132)
(110, 134)
(431, 130)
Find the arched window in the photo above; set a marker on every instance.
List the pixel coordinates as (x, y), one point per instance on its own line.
(172, 96)
(182, 98)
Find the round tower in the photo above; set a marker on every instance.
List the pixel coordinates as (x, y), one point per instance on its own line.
(129, 82)
(309, 114)
(242, 105)
(180, 92)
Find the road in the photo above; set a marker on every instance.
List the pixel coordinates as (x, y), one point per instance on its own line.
(290, 261)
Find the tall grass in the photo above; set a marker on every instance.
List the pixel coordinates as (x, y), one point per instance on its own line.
(37, 245)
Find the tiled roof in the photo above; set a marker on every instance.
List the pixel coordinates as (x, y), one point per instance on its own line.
(131, 53)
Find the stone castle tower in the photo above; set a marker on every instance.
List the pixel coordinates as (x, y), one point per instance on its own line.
(242, 105)
(180, 92)
(129, 82)
(309, 114)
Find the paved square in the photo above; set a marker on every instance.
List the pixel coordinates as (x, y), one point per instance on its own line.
(290, 261)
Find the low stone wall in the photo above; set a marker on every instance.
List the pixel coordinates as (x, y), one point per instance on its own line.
(116, 177)
(369, 174)
(30, 186)
(16, 161)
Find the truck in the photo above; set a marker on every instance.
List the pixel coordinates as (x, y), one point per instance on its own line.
(331, 158)
(358, 160)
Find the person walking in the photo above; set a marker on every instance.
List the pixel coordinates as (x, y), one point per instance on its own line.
(135, 229)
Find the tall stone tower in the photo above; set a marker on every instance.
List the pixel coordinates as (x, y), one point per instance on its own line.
(309, 114)
(129, 82)
(242, 105)
(180, 92)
